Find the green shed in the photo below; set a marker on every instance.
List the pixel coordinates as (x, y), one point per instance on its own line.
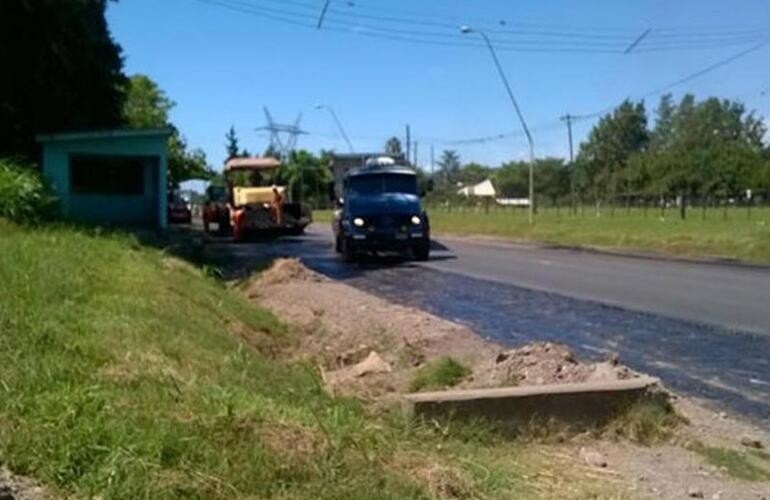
(113, 177)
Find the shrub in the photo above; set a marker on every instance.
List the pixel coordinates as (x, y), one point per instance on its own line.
(24, 196)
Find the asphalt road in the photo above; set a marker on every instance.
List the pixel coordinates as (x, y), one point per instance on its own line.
(703, 328)
(729, 296)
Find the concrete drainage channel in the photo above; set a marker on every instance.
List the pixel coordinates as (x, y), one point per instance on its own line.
(580, 404)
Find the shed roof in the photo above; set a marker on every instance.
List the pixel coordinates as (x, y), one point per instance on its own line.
(105, 134)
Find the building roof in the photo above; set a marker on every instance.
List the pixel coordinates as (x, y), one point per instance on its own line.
(105, 134)
(252, 163)
(484, 188)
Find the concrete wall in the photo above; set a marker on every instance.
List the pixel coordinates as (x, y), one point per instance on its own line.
(148, 209)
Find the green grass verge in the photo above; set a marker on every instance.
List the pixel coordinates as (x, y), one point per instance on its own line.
(749, 465)
(126, 373)
(442, 373)
(742, 235)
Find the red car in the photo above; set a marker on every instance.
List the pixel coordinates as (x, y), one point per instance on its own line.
(179, 210)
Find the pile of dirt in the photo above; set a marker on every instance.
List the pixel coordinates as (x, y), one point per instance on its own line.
(285, 271)
(371, 348)
(13, 487)
(542, 363)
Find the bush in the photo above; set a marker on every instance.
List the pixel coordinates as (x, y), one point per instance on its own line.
(24, 196)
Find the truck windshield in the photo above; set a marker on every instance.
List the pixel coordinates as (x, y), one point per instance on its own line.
(382, 183)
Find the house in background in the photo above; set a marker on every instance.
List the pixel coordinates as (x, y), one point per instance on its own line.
(113, 177)
(483, 189)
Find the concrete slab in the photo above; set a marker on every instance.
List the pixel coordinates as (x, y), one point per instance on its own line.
(579, 405)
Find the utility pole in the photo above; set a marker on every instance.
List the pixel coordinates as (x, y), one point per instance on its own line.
(408, 150)
(568, 119)
(466, 30)
(322, 16)
(432, 162)
(338, 123)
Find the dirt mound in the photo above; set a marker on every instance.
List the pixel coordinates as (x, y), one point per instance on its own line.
(285, 271)
(542, 363)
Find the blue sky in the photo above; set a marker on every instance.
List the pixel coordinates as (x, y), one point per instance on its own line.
(221, 66)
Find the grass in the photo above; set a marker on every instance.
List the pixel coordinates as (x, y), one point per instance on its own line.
(748, 465)
(126, 373)
(439, 374)
(648, 421)
(743, 235)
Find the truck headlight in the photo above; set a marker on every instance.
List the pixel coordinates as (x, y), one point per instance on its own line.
(416, 220)
(358, 222)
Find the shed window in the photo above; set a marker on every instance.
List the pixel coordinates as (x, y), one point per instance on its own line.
(107, 175)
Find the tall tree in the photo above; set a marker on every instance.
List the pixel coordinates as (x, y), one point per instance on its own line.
(147, 106)
(473, 173)
(306, 176)
(61, 71)
(450, 165)
(663, 134)
(231, 144)
(604, 156)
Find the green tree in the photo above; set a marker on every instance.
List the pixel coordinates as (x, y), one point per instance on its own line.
(306, 176)
(473, 173)
(552, 179)
(511, 180)
(185, 164)
(604, 156)
(231, 144)
(450, 165)
(147, 106)
(712, 147)
(61, 71)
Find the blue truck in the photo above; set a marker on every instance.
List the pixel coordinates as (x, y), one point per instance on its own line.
(380, 211)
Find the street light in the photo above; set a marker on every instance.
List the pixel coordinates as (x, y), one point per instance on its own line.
(466, 30)
(339, 125)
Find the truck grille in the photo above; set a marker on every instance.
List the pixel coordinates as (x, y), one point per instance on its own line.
(388, 221)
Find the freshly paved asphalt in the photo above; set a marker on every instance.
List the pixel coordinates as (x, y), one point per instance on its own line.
(724, 295)
(703, 328)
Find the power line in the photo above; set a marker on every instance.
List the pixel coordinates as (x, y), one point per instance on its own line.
(309, 20)
(685, 79)
(504, 40)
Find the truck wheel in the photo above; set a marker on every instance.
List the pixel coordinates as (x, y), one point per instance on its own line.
(421, 251)
(338, 244)
(348, 250)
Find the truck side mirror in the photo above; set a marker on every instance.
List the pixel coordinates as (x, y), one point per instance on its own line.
(340, 202)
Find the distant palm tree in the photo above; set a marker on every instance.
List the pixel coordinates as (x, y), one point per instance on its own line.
(450, 164)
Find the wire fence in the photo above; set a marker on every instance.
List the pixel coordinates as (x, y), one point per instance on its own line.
(725, 209)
